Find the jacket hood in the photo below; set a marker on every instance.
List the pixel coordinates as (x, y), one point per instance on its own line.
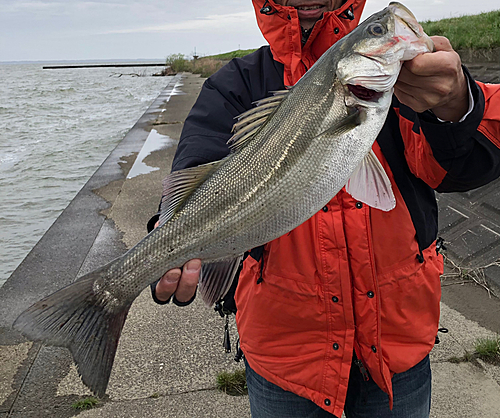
(281, 28)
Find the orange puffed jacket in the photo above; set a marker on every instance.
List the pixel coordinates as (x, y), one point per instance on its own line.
(352, 278)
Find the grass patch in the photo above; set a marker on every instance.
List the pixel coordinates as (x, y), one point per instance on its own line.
(205, 66)
(481, 31)
(232, 54)
(234, 384)
(178, 63)
(87, 403)
(488, 349)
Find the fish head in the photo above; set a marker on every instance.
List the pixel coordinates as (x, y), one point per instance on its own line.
(372, 55)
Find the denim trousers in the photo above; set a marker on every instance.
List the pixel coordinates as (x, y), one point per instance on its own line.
(412, 397)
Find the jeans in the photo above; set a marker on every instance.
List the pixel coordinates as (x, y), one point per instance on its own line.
(412, 397)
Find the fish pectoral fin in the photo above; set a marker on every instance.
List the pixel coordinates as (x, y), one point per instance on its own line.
(177, 186)
(353, 119)
(370, 184)
(216, 279)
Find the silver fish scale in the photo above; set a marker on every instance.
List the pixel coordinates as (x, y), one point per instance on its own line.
(276, 182)
(290, 169)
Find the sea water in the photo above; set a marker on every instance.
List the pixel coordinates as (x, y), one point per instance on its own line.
(56, 128)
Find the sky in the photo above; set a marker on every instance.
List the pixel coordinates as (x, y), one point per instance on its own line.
(49, 30)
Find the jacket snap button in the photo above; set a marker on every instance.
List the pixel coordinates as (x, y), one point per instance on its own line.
(327, 402)
(359, 205)
(335, 346)
(335, 299)
(370, 294)
(336, 30)
(374, 349)
(325, 209)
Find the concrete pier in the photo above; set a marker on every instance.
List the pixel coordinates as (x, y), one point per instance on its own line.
(168, 357)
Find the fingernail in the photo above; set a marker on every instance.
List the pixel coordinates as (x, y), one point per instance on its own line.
(172, 279)
(193, 266)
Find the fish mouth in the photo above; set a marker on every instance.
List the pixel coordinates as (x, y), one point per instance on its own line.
(407, 27)
(364, 93)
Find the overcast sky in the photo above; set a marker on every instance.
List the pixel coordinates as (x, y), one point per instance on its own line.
(129, 29)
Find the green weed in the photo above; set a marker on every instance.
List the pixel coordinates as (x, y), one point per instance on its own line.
(234, 384)
(488, 349)
(87, 403)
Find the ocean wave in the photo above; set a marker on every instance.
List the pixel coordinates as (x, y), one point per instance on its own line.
(59, 127)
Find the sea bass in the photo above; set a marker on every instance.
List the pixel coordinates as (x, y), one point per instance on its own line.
(289, 156)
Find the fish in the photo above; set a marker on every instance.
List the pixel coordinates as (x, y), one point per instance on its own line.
(289, 156)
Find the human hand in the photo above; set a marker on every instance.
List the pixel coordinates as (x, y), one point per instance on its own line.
(435, 81)
(182, 283)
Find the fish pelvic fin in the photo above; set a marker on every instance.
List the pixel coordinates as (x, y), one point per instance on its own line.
(84, 320)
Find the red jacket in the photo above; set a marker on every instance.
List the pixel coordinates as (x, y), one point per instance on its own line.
(350, 278)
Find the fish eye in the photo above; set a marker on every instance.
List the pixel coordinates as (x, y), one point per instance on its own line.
(376, 29)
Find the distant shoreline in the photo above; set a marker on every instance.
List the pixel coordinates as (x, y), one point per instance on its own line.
(90, 61)
(57, 67)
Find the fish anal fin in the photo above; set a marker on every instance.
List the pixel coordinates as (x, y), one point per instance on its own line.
(216, 279)
(370, 184)
(84, 320)
(178, 185)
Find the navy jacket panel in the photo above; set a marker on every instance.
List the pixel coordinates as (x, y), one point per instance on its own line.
(225, 95)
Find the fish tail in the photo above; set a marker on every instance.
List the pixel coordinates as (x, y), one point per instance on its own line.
(82, 319)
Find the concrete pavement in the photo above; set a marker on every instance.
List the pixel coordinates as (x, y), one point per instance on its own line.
(168, 357)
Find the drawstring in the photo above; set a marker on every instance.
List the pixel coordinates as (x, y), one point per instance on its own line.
(348, 14)
(261, 278)
(267, 9)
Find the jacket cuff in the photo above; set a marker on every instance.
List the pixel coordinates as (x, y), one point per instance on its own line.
(151, 223)
(446, 137)
(179, 303)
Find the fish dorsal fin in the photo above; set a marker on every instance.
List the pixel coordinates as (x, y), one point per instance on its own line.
(216, 279)
(369, 184)
(252, 120)
(178, 185)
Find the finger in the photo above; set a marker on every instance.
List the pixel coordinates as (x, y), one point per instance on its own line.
(438, 62)
(167, 285)
(410, 101)
(157, 224)
(189, 280)
(441, 43)
(443, 61)
(407, 78)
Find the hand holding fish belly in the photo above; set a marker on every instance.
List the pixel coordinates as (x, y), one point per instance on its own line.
(436, 82)
(289, 156)
(181, 282)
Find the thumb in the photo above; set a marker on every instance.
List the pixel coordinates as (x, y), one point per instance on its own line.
(441, 43)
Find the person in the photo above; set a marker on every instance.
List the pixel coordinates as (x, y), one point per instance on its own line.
(341, 314)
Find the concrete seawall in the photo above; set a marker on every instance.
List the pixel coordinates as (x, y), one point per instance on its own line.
(168, 357)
